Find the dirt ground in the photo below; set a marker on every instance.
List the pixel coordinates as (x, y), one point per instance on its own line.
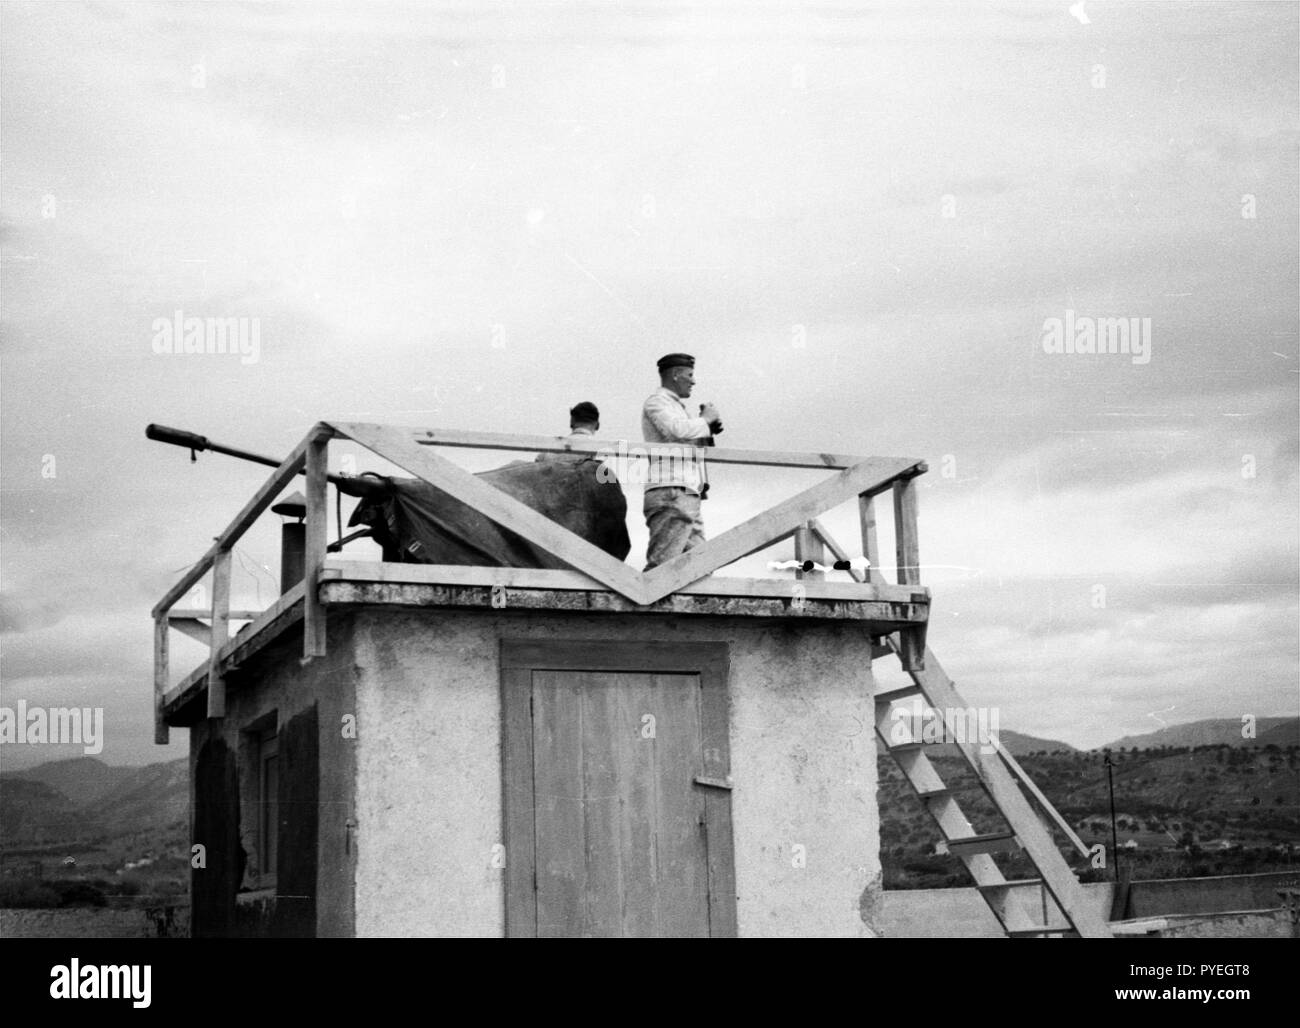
(87, 923)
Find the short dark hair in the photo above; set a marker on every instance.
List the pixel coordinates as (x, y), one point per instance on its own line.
(584, 411)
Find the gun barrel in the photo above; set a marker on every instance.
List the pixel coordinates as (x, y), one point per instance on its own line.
(194, 442)
(163, 434)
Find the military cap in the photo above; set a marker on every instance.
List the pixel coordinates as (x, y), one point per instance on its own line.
(676, 360)
(584, 411)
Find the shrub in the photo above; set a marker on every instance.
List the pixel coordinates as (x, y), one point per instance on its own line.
(79, 894)
(26, 894)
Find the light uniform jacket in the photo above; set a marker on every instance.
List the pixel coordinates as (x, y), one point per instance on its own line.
(665, 419)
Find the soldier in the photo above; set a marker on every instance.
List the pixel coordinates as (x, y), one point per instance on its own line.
(584, 423)
(676, 483)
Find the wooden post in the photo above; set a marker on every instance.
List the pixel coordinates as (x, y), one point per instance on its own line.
(906, 544)
(837, 551)
(911, 641)
(313, 621)
(808, 546)
(220, 633)
(161, 675)
(870, 547)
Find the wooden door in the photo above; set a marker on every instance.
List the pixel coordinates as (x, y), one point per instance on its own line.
(618, 819)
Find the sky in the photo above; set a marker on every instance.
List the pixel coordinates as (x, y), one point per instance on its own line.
(861, 220)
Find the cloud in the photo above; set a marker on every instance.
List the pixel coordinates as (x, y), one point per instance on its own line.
(21, 614)
(473, 217)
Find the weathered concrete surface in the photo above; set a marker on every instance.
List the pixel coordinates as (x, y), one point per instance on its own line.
(1216, 907)
(937, 914)
(428, 801)
(274, 682)
(428, 776)
(803, 753)
(1210, 895)
(1241, 924)
(882, 616)
(957, 913)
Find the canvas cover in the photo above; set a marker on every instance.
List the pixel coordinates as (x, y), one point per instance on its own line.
(417, 523)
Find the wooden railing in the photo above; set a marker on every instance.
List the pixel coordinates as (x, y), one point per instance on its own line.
(863, 477)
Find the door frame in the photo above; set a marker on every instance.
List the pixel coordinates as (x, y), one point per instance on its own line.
(519, 659)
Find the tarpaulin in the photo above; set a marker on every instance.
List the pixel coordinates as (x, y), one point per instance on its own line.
(417, 523)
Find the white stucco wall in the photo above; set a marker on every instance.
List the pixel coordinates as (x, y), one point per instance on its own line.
(429, 767)
(428, 777)
(803, 757)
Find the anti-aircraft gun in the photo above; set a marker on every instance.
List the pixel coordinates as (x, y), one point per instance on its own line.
(417, 523)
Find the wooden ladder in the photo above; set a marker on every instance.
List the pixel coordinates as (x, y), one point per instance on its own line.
(1051, 905)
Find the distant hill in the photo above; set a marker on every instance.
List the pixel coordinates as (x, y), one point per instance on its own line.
(1284, 735)
(150, 796)
(1019, 745)
(1216, 732)
(84, 799)
(33, 810)
(81, 779)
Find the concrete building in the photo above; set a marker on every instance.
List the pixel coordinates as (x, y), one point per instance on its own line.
(398, 749)
(696, 773)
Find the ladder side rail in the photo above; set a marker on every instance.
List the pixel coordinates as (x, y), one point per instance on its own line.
(1041, 801)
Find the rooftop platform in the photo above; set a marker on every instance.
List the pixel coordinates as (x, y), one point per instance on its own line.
(596, 583)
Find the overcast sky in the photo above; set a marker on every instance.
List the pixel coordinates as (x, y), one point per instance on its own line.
(858, 218)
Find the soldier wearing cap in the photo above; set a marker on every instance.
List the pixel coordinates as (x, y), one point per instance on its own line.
(584, 423)
(676, 481)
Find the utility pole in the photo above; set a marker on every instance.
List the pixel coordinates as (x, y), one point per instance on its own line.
(1114, 840)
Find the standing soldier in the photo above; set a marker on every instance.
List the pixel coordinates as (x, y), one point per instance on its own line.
(675, 484)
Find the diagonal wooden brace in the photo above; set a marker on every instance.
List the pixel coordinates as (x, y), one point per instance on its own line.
(398, 446)
(773, 524)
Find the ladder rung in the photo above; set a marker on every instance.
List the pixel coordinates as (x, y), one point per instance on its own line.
(906, 747)
(1029, 933)
(995, 842)
(929, 794)
(1022, 883)
(919, 772)
(984, 872)
(905, 692)
(1019, 914)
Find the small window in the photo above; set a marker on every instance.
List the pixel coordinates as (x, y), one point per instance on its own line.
(268, 814)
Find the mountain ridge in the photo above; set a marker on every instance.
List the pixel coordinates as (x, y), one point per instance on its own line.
(83, 797)
(1280, 731)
